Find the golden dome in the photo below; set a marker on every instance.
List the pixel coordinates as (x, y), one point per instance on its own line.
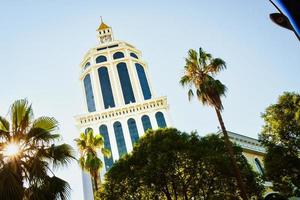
(102, 26)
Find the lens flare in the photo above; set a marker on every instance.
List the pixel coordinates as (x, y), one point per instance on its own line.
(11, 149)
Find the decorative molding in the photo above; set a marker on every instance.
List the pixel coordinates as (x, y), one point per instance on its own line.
(117, 113)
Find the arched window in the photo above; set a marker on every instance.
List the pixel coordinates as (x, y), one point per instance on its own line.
(101, 59)
(104, 132)
(87, 130)
(143, 81)
(134, 135)
(87, 65)
(146, 122)
(160, 119)
(125, 83)
(258, 166)
(134, 55)
(118, 55)
(120, 138)
(89, 93)
(106, 90)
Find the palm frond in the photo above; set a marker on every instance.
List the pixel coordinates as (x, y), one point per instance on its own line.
(49, 188)
(37, 192)
(190, 94)
(36, 169)
(185, 80)
(37, 135)
(60, 155)
(81, 144)
(60, 188)
(106, 153)
(204, 58)
(98, 141)
(216, 65)
(48, 124)
(10, 185)
(4, 128)
(21, 115)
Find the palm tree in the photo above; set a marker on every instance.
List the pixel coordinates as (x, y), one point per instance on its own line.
(199, 71)
(28, 156)
(88, 146)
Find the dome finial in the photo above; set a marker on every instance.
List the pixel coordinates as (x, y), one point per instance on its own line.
(102, 25)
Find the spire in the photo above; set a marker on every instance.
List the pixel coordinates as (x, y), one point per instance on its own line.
(102, 25)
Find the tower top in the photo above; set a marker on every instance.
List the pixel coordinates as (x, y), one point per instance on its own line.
(105, 34)
(102, 25)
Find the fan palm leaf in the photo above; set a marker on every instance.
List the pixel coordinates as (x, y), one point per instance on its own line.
(25, 174)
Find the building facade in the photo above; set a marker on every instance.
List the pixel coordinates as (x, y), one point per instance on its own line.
(120, 102)
(254, 152)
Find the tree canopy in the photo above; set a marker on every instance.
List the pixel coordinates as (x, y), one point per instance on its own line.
(281, 137)
(169, 164)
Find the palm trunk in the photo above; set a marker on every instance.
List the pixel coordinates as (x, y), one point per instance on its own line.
(232, 157)
(94, 175)
(167, 193)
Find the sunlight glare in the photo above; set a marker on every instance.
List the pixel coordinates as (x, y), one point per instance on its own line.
(11, 149)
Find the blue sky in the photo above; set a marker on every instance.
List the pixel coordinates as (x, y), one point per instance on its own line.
(43, 42)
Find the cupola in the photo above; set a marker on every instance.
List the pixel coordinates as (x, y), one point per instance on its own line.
(105, 34)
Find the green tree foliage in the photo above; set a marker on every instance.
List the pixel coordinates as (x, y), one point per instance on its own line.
(168, 164)
(199, 72)
(281, 137)
(88, 145)
(28, 172)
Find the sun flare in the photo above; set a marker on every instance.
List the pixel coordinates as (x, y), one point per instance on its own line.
(11, 149)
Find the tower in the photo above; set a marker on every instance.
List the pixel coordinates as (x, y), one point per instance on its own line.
(120, 102)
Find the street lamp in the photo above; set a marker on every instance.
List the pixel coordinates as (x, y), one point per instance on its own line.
(288, 16)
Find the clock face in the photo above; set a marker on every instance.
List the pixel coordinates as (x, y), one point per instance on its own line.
(106, 38)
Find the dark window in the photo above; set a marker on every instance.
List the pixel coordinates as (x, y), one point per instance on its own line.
(134, 55)
(134, 135)
(143, 81)
(102, 48)
(118, 55)
(104, 132)
(106, 90)
(125, 83)
(101, 59)
(258, 166)
(160, 119)
(89, 93)
(120, 139)
(146, 122)
(87, 65)
(113, 46)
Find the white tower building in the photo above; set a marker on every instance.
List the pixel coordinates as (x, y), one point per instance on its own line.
(120, 101)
